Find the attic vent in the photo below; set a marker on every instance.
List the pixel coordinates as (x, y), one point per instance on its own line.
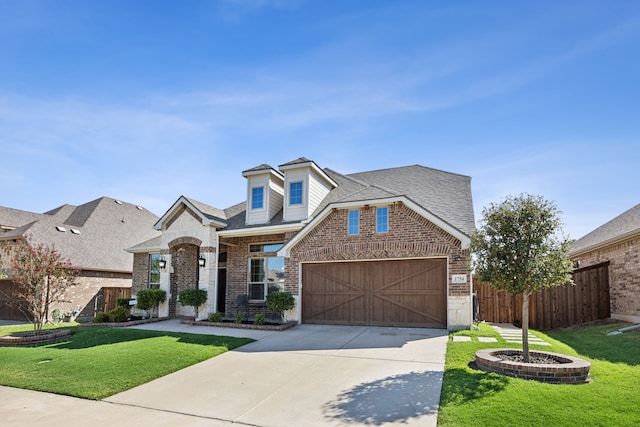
(75, 231)
(139, 208)
(62, 229)
(118, 202)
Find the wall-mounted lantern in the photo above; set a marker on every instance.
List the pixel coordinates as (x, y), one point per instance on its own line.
(202, 261)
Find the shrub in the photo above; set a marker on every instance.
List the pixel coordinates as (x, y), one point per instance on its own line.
(280, 302)
(101, 317)
(118, 314)
(259, 319)
(193, 297)
(150, 299)
(123, 302)
(239, 318)
(215, 317)
(56, 315)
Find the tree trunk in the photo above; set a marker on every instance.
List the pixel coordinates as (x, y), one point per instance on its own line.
(525, 327)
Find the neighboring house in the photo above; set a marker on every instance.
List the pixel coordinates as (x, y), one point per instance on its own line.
(384, 247)
(616, 242)
(93, 236)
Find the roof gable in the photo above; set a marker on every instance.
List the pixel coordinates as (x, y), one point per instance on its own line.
(208, 215)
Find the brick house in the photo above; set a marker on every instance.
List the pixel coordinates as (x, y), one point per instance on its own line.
(93, 236)
(384, 247)
(618, 243)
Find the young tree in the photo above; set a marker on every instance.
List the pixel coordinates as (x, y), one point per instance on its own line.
(150, 299)
(520, 247)
(280, 302)
(42, 276)
(193, 297)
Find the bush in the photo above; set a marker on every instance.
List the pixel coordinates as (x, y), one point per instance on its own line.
(215, 317)
(193, 297)
(150, 299)
(101, 317)
(118, 314)
(239, 318)
(123, 302)
(280, 302)
(259, 319)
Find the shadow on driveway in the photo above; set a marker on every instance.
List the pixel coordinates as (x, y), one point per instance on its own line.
(394, 399)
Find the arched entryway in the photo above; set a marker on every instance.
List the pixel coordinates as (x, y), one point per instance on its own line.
(185, 272)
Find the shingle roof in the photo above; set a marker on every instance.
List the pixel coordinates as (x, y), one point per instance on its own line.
(14, 218)
(103, 229)
(446, 195)
(627, 223)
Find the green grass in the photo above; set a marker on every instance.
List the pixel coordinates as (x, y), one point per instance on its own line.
(97, 362)
(476, 398)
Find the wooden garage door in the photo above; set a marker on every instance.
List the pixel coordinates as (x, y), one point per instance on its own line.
(382, 293)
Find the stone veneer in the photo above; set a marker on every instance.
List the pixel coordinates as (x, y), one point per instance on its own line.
(624, 276)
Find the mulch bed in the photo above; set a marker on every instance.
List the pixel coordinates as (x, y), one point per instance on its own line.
(537, 358)
(279, 327)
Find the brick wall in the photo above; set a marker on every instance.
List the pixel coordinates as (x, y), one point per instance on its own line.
(185, 272)
(624, 276)
(85, 298)
(410, 235)
(140, 279)
(237, 272)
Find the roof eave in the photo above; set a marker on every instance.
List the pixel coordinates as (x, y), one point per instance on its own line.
(258, 231)
(609, 242)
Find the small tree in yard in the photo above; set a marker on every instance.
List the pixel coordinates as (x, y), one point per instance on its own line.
(519, 247)
(150, 299)
(42, 275)
(280, 302)
(193, 297)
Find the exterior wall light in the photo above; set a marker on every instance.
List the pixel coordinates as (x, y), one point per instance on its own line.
(162, 263)
(201, 261)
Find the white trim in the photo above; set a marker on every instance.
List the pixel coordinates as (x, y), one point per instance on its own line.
(465, 241)
(187, 203)
(259, 231)
(149, 250)
(311, 165)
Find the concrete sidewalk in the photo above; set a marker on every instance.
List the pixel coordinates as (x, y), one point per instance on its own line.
(310, 375)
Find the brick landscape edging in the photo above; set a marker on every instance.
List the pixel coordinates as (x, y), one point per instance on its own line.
(45, 338)
(572, 370)
(123, 324)
(282, 327)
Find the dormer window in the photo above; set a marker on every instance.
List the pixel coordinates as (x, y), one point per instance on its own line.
(295, 193)
(257, 198)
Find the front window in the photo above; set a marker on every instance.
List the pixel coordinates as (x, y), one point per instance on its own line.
(354, 222)
(295, 193)
(257, 198)
(266, 275)
(154, 271)
(382, 220)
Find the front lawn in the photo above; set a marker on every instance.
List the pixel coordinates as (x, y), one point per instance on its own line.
(476, 398)
(98, 362)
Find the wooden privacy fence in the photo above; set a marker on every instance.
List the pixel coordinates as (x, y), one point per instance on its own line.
(552, 308)
(110, 295)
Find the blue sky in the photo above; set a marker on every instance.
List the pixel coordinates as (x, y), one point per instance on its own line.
(145, 101)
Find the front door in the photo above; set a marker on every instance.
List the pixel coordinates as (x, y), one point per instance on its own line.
(222, 289)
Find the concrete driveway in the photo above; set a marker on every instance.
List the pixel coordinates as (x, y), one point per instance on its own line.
(310, 375)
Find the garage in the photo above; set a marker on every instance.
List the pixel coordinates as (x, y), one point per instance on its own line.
(378, 293)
